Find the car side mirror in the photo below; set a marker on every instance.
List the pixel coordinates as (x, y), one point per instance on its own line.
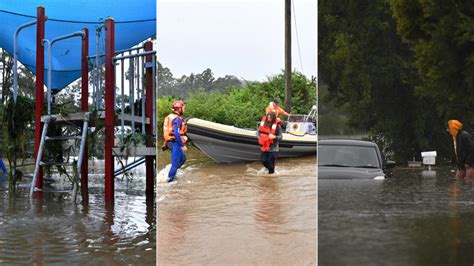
(390, 164)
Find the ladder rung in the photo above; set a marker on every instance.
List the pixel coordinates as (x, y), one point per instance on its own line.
(56, 164)
(52, 190)
(53, 162)
(63, 138)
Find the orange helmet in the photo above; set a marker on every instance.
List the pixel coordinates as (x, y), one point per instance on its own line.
(177, 105)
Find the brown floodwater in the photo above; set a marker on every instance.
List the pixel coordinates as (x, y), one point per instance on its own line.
(238, 214)
(53, 230)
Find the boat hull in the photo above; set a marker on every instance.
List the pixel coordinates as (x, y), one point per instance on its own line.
(228, 144)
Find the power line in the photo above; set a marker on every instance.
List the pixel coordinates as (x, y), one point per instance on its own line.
(296, 30)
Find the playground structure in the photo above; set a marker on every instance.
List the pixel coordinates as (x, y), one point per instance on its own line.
(141, 82)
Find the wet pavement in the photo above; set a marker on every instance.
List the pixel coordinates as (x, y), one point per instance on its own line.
(413, 218)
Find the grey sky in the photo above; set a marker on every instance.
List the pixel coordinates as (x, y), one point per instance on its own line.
(238, 37)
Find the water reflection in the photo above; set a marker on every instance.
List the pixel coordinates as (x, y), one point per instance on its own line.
(410, 219)
(50, 229)
(454, 221)
(177, 218)
(268, 212)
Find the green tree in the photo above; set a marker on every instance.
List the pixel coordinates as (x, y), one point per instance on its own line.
(6, 66)
(332, 120)
(368, 69)
(441, 34)
(163, 108)
(183, 86)
(16, 134)
(166, 80)
(223, 83)
(205, 80)
(26, 83)
(243, 107)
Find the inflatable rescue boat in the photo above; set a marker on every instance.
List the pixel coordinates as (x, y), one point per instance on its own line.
(229, 144)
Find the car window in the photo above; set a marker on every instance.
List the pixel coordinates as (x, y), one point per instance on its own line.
(346, 155)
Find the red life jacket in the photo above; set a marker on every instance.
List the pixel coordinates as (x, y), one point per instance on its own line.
(264, 131)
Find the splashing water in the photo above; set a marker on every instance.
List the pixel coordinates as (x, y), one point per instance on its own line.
(162, 176)
(52, 230)
(239, 214)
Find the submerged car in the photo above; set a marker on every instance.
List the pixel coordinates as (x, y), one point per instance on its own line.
(351, 159)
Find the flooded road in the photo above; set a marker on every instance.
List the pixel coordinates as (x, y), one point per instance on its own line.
(53, 230)
(413, 218)
(238, 214)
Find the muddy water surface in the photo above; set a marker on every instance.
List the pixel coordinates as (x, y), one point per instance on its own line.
(53, 230)
(238, 214)
(413, 218)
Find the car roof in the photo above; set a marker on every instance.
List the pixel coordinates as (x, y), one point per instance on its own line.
(349, 142)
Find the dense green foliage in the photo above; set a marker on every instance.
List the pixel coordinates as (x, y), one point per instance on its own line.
(16, 134)
(333, 119)
(364, 64)
(441, 35)
(243, 107)
(400, 68)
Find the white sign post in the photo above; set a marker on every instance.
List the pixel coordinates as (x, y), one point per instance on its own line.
(429, 158)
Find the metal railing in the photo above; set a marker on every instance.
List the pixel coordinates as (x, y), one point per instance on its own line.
(136, 86)
(15, 55)
(50, 61)
(137, 66)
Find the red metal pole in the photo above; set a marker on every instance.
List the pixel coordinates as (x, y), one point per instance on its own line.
(109, 108)
(85, 108)
(40, 19)
(150, 177)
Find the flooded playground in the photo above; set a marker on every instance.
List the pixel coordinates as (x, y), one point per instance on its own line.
(53, 230)
(413, 218)
(237, 213)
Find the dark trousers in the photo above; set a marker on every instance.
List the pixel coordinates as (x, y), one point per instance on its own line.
(268, 159)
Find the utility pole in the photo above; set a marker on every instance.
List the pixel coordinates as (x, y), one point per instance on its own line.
(288, 55)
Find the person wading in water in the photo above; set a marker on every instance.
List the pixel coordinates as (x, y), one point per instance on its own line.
(269, 136)
(174, 130)
(463, 144)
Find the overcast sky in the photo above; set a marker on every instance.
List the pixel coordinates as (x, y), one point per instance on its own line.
(244, 38)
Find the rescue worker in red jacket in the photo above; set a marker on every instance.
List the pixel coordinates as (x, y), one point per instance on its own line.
(269, 136)
(274, 106)
(174, 130)
(463, 144)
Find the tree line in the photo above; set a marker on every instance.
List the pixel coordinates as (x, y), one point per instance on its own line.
(182, 87)
(400, 68)
(243, 106)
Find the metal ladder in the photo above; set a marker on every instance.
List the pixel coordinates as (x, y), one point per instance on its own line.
(48, 120)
